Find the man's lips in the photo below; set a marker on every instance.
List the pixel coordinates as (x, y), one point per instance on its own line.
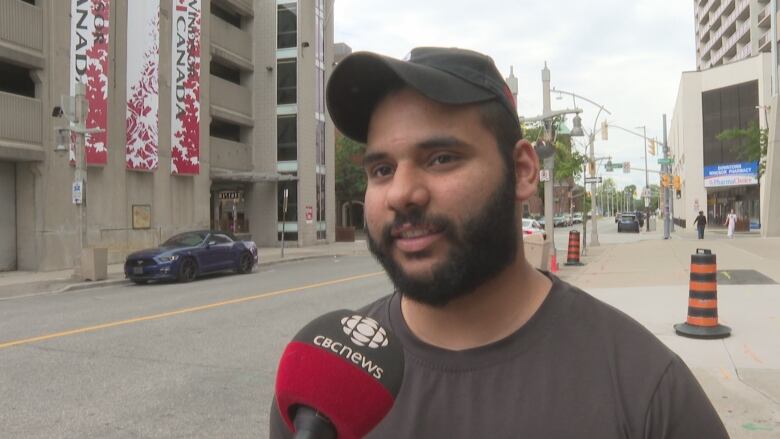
(413, 239)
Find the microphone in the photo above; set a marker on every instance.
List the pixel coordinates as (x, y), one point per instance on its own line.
(338, 377)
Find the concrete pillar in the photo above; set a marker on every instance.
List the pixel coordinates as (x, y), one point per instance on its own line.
(770, 204)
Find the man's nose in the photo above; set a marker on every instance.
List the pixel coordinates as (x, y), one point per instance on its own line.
(408, 189)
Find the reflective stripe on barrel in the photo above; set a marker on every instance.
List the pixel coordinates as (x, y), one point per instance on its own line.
(703, 291)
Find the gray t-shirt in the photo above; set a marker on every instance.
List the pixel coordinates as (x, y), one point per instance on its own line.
(577, 369)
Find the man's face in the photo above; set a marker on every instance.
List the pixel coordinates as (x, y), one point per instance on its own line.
(440, 201)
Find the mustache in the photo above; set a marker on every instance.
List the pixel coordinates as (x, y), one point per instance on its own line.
(416, 217)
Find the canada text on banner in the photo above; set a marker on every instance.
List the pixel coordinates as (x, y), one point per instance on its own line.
(89, 30)
(185, 87)
(143, 96)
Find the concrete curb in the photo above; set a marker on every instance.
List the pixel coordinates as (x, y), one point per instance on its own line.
(111, 282)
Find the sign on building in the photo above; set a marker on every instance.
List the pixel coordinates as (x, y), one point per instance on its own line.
(89, 31)
(143, 98)
(731, 174)
(185, 87)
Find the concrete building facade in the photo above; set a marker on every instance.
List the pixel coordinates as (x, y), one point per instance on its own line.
(708, 102)
(263, 128)
(730, 30)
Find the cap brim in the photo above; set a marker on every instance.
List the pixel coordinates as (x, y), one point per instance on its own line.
(362, 79)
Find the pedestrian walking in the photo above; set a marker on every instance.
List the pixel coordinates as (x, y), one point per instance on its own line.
(731, 223)
(485, 333)
(701, 223)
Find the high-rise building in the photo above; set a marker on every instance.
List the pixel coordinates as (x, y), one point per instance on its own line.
(212, 110)
(730, 30)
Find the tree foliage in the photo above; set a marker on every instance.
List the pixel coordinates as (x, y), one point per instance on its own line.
(754, 143)
(350, 177)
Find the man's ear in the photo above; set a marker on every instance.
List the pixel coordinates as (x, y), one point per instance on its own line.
(526, 166)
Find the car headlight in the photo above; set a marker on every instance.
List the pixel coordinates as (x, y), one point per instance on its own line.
(168, 258)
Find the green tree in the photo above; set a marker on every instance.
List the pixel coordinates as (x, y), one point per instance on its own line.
(568, 163)
(350, 176)
(754, 141)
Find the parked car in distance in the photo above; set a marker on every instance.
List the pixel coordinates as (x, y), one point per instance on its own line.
(532, 227)
(560, 221)
(188, 255)
(577, 218)
(628, 223)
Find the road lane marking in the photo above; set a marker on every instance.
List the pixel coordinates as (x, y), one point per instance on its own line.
(184, 311)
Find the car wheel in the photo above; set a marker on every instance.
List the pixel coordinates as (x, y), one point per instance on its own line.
(188, 270)
(245, 263)
(139, 281)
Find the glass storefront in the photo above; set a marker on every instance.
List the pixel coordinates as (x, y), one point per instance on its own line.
(229, 211)
(743, 199)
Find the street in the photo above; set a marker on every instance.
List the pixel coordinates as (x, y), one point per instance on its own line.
(206, 372)
(199, 359)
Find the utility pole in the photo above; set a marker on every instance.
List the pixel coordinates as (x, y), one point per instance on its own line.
(594, 237)
(549, 162)
(647, 182)
(666, 169)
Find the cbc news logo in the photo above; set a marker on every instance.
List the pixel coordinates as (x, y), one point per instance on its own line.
(364, 331)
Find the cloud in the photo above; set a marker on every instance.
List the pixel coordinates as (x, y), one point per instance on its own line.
(626, 55)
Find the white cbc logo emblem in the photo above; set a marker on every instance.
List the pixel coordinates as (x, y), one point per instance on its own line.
(364, 331)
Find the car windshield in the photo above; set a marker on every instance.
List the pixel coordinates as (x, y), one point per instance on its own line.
(628, 217)
(188, 239)
(528, 223)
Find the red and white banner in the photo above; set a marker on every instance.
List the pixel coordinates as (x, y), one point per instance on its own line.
(89, 25)
(185, 87)
(143, 96)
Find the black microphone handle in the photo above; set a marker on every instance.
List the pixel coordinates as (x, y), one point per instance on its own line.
(311, 425)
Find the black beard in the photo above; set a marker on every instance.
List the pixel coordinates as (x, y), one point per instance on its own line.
(479, 250)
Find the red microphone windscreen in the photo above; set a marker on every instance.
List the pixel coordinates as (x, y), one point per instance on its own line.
(345, 366)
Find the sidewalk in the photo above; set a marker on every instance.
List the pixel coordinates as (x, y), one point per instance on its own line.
(649, 280)
(20, 283)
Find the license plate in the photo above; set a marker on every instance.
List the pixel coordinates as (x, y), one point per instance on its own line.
(138, 270)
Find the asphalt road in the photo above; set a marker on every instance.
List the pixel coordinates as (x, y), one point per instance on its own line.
(191, 360)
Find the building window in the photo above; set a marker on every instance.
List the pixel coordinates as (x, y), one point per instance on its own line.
(723, 109)
(225, 130)
(321, 230)
(229, 17)
(227, 73)
(287, 138)
(286, 25)
(292, 209)
(286, 82)
(16, 80)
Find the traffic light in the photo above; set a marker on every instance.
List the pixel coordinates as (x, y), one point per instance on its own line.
(604, 131)
(665, 180)
(677, 183)
(651, 147)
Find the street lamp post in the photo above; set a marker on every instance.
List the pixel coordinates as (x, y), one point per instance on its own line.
(546, 151)
(594, 238)
(77, 121)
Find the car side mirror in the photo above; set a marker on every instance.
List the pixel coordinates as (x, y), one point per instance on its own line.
(210, 243)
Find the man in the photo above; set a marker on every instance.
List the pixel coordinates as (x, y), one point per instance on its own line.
(493, 348)
(701, 223)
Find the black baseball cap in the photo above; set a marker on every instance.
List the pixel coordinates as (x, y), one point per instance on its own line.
(446, 75)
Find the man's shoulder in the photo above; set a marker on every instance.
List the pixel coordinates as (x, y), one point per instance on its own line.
(378, 309)
(595, 322)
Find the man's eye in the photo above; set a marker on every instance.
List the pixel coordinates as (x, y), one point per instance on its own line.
(442, 159)
(381, 171)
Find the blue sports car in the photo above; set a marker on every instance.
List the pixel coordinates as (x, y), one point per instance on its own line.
(187, 255)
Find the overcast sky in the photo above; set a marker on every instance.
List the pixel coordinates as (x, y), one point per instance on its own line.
(627, 55)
